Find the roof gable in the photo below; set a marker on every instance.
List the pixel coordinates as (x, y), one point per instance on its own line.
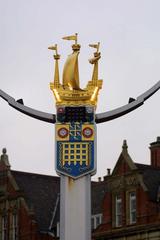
(8, 184)
(124, 163)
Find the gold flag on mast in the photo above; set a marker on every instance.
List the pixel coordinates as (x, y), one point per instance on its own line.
(53, 48)
(95, 46)
(72, 37)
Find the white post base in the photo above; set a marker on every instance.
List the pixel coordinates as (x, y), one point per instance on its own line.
(75, 208)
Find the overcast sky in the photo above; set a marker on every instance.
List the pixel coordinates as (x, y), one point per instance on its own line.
(129, 33)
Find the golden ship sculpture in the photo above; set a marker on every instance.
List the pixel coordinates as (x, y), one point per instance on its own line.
(68, 92)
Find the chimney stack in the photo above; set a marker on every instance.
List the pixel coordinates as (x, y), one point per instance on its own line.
(99, 179)
(155, 153)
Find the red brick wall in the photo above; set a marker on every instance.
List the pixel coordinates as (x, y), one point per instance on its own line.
(27, 226)
(122, 168)
(146, 210)
(107, 210)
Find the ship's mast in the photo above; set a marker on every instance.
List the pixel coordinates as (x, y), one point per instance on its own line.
(56, 73)
(94, 60)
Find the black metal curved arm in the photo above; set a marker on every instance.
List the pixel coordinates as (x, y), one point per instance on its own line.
(43, 116)
(118, 112)
(100, 118)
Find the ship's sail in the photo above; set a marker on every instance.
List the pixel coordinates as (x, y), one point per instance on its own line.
(71, 73)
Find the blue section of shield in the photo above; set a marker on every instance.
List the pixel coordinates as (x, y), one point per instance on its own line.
(75, 131)
(73, 164)
(75, 157)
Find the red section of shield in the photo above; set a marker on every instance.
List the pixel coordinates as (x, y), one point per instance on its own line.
(63, 132)
(87, 132)
(60, 110)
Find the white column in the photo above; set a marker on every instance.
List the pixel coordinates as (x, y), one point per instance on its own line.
(75, 208)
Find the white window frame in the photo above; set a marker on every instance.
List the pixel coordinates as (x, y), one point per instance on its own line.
(94, 219)
(132, 207)
(118, 211)
(14, 226)
(4, 227)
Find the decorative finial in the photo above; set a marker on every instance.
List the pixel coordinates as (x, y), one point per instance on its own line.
(4, 150)
(4, 157)
(76, 46)
(124, 146)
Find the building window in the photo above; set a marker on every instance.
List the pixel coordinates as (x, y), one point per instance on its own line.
(96, 220)
(4, 227)
(132, 207)
(14, 227)
(118, 211)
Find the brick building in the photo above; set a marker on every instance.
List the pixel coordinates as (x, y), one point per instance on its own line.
(125, 204)
(29, 204)
(131, 206)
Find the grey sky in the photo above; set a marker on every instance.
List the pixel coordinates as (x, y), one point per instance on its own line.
(129, 32)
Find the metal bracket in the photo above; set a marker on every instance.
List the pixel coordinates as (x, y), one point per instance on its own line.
(118, 112)
(100, 117)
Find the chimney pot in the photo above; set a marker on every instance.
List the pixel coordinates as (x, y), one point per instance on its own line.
(99, 179)
(108, 171)
(158, 139)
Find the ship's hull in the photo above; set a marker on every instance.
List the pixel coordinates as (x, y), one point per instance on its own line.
(65, 96)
